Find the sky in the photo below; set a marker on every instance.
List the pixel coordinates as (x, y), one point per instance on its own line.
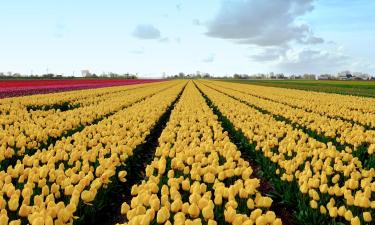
(220, 37)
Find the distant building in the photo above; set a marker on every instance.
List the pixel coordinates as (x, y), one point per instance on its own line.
(345, 75)
(361, 76)
(295, 77)
(342, 77)
(85, 73)
(309, 76)
(325, 77)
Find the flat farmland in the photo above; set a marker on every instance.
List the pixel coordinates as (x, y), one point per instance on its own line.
(187, 152)
(359, 88)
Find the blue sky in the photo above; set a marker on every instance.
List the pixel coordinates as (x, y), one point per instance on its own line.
(220, 37)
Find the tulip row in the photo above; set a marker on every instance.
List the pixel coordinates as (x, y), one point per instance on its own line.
(342, 131)
(82, 98)
(350, 108)
(344, 135)
(198, 175)
(32, 87)
(25, 131)
(334, 182)
(58, 98)
(53, 185)
(54, 100)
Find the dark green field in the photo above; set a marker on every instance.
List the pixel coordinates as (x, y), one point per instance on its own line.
(359, 88)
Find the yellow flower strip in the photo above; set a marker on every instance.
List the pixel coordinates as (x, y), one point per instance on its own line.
(344, 132)
(333, 180)
(198, 175)
(29, 130)
(76, 168)
(358, 109)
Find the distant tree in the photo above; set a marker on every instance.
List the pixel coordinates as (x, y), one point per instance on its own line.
(113, 75)
(103, 75)
(181, 75)
(309, 76)
(206, 76)
(48, 75)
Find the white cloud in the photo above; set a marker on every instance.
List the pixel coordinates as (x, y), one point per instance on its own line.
(263, 23)
(313, 61)
(313, 40)
(267, 54)
(146, 31)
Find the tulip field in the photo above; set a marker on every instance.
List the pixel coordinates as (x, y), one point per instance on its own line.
(186, 152)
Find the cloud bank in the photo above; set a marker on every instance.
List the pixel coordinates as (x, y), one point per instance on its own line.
(313, 60)
(263, 23)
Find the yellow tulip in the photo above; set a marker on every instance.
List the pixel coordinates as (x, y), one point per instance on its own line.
(313, 204)
(248, 222)
(38, 221)
(323, 210)
(218, 199)
(162, 215)
(145, 220)
(194, 210)
(348, 215)
(263, 202)
(176, 205)
(88, 196)
(255, 214)
(209, 178)
(121, 176)
(24, 211)
(270, 217)
(367, 216)
(15, 222)
(355, 221)
(124, 208)
(261, 220)
(185, 185)
(229, 214)
(4, 219)
(208, 213)
(211, 222)
(333, 212)
(13, 204)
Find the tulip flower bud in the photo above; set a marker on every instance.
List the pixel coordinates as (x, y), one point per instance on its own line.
(15, 222)
(124, 208)
(367, 217)
(121, 176)
(194, 210)
(162, 215)
(355, 221)
(208, 213)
